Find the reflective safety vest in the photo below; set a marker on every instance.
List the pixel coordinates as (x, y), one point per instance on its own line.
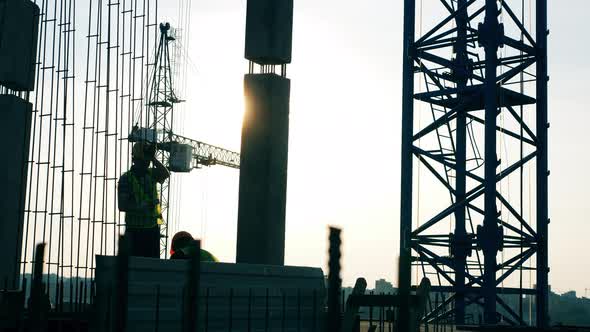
(208, 257)
(189, 251)
(152, 215)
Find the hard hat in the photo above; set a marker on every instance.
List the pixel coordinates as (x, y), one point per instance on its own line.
(180, 239)
(143, 151)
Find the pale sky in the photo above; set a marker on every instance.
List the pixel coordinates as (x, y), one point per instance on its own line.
(345, 133)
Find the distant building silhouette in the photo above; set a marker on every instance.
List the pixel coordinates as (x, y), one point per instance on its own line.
(384, 286)
(570, 295)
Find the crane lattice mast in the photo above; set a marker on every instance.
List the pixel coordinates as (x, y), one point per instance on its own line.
(160, 109)
(158, 124)
(480, 74)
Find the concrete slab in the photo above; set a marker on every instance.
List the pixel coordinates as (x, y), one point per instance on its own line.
(19, 26)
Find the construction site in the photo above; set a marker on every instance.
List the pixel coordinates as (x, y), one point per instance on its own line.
(113, 123)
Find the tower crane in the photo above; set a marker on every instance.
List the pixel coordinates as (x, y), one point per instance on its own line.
(156, 126)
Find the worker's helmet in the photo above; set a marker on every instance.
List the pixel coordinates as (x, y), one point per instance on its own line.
(179, 240)
(182, 248)
(143, 151)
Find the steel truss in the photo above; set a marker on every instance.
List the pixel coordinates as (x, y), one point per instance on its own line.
(471, 70)
(208, 155)
(160, 118)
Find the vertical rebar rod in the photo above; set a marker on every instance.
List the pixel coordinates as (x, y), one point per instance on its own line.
(107, 87)
(94, 147)
(68, 79)
(119, 81)
(37, 309)
(49, 162)
(82, 220)
(334, 281)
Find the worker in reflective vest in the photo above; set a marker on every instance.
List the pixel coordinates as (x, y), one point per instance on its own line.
(138, 198)
(183, 247)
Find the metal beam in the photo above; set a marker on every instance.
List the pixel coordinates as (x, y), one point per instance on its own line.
(459, 250)
(405, 274)
(208, 155)
(542, 168)
(487, 235)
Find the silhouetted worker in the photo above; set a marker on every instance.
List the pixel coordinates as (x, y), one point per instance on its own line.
(184, 247)
(138, 198)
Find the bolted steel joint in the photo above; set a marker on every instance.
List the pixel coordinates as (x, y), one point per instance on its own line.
(491, 34)
(463, 68)
(461, 245)
(490, 238)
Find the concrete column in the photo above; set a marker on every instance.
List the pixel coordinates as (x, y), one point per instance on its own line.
(15, 132)
(19, 27)
(263, 170)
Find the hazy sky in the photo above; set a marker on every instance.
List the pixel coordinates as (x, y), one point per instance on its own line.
(345, 133)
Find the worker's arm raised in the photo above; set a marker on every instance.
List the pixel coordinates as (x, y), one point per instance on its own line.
(160, 172)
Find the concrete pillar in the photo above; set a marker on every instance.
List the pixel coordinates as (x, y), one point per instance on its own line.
(19, 27)
(15, 133)
(263, 170)
(269, 31)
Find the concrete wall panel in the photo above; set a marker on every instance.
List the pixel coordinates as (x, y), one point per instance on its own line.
(241, 289)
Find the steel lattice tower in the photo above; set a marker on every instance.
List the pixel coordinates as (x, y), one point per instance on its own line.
(481, 75)
(160, 118)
